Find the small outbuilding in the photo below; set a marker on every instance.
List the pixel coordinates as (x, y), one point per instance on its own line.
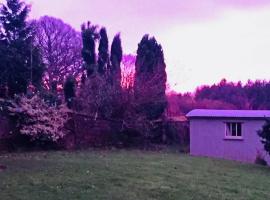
(227, 134)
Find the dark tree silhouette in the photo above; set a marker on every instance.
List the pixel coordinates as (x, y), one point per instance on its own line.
(264, 134)
(103, 51)
(60, 45)
(258, 94)
(89, 37)
(116, 58)
(70, 90)
(253, 95)
(83, 79)
(150, 78)
(20, 60)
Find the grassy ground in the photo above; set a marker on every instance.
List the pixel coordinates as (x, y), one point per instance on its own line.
(125, 175)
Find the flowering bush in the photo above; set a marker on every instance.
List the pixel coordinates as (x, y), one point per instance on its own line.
(39, 120)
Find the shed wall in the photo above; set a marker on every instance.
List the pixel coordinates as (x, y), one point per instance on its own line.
(207, 138)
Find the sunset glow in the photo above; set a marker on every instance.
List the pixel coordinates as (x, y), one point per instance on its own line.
(203, 41)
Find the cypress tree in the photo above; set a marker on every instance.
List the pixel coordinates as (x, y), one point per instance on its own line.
(116, 58)
(89, 37)
(103, 51)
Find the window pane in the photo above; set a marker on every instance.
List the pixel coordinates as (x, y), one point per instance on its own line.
(239, 129)
(233, 129)
(228, 129)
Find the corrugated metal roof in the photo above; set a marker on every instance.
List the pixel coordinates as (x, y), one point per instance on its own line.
(229, 113)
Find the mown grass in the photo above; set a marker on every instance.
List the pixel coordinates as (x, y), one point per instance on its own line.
(124, 175)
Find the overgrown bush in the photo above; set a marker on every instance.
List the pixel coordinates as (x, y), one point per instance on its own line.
(177, 135)
(98, 99)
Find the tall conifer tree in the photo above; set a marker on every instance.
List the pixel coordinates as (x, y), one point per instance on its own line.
(150, 78)
(103, 51)
(116, 58)
(89, 37)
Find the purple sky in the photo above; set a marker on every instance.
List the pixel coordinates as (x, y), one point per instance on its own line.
(203, 40)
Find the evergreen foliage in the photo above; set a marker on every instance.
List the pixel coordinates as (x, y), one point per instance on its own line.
(116, 58)
(264, 134)
(103, 51)
(70, 90)
(89, 37)
(20, 60)
(150, 78)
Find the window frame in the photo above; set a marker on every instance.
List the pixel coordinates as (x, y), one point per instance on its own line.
(231, 137)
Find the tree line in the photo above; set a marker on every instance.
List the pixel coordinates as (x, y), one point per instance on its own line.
(254, 95)
(44, 61)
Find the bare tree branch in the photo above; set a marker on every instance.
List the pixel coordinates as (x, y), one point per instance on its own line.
(61, 48)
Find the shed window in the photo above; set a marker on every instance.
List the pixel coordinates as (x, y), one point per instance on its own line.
(233, 130)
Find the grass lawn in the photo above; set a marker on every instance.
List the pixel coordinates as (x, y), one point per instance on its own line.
(128, 175)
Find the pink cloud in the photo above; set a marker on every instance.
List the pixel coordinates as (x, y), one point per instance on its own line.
(136, 17)
(181, 10)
